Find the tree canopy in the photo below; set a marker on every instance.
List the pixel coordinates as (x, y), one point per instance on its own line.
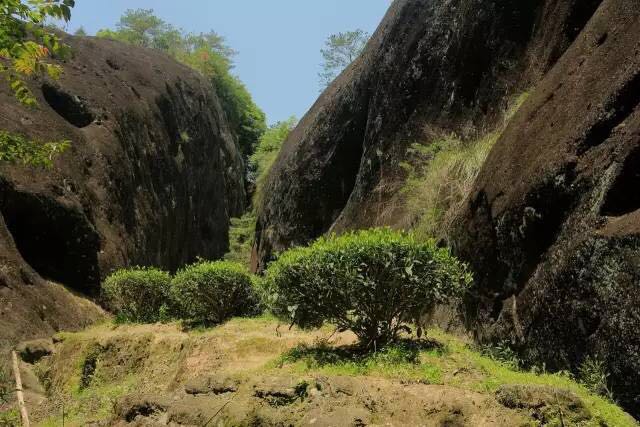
(207, 53)
(341, 50)
(266, 153)
(25, 43)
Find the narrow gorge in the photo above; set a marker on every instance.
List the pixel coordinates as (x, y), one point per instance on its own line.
(175, 261)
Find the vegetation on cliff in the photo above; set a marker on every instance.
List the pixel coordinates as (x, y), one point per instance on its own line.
(441, 174)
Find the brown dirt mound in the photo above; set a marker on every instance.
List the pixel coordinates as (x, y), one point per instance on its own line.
(245, 373)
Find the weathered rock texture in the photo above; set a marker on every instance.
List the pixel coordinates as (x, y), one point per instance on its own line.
(152, 177)
(431, 68)
(552, 228)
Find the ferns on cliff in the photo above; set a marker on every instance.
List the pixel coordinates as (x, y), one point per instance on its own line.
(25, 47)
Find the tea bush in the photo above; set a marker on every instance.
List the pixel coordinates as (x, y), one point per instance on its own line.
(371, 282)
(138, 294)
(211, 292)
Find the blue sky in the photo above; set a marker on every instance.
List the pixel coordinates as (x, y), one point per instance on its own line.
(278, 41)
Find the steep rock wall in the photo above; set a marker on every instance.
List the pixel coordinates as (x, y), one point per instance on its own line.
(431, 68)
(552, 228)
(152, 177)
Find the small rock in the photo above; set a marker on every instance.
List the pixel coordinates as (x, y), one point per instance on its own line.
(210, 385)
(280, 391)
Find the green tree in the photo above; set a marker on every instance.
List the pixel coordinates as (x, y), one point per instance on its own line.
(341, 50)
(25, 45)
(266, 153)
(81, 32)
(207, 53)
(138, 27)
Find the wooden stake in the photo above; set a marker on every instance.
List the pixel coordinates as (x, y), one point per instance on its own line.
(23, 408)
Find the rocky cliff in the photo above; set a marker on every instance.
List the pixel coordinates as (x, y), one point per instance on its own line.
(152, 176)
(431, 68)
(551, 229)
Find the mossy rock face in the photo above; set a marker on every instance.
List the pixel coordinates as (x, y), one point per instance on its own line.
(548, 405)
(552, 226)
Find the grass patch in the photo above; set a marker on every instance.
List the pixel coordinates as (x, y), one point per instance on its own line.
(241, 234)
(441, 174)
(447, 360)
(492, 373)
(9, 418)
(255, 349)
(401, 360)
(92, 405)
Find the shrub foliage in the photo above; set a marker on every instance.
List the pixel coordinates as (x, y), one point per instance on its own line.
(211, 292)
(371, 282)
(138, 294)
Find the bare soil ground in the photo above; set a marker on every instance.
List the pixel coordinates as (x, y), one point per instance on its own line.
(252, 372)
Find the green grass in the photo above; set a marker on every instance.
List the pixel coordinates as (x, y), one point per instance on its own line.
(241, 234)
(442, 360)
(93, 404)
(400, 361)
(9, 417)
(494, 373)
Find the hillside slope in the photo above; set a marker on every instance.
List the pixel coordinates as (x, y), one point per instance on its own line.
(152, 177)
(245, 372)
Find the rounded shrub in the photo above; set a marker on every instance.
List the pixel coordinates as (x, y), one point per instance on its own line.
(370, 282)
(138, 294)
(212, 292)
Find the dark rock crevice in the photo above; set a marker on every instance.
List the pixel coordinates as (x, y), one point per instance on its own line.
(57, 241)
(624, 195)
(618, 108)
(73, 109)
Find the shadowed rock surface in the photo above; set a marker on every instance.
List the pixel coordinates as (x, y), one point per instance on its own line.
(552, 227)
(152, 177)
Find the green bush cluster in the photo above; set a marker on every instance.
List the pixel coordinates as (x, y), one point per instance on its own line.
(211, 292)
(138, 294)
(203, 293)
(370, 282)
